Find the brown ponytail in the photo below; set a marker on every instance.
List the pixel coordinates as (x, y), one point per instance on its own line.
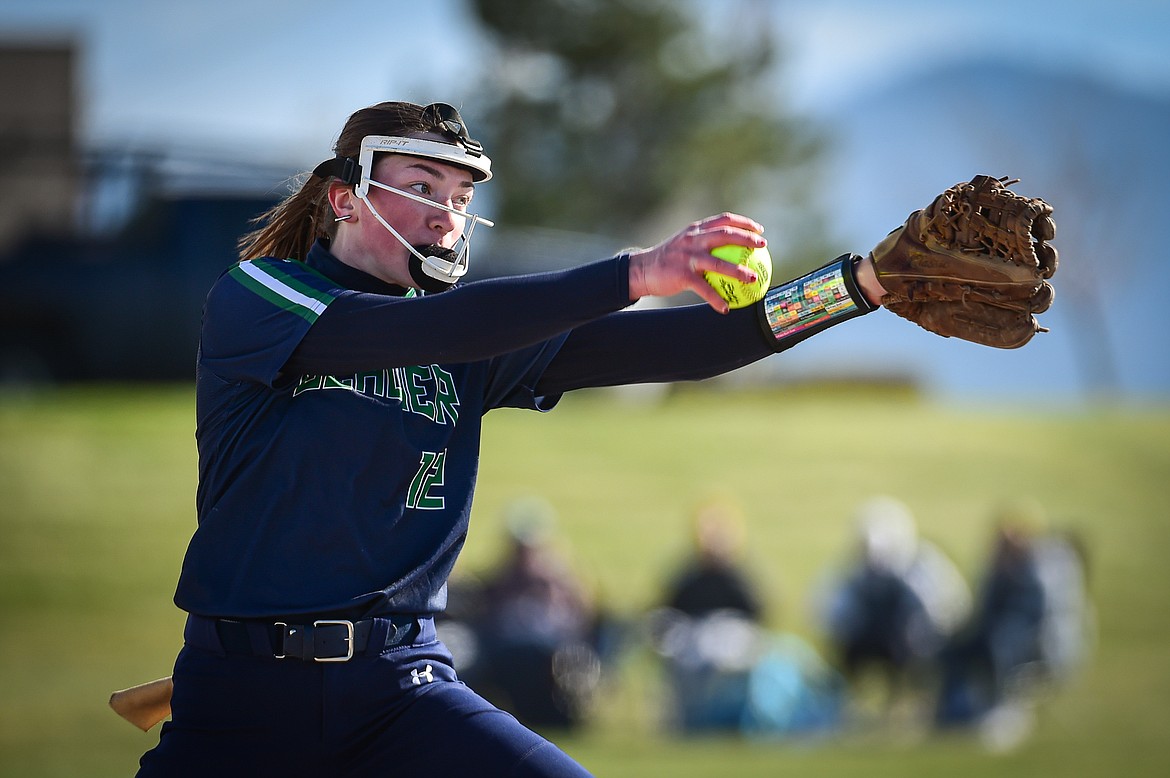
(288, 229)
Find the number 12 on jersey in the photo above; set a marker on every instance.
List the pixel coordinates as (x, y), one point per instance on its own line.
(430, 474)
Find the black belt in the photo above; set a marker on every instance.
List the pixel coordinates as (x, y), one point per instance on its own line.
(325, 640)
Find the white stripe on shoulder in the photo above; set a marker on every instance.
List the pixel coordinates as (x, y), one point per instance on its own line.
(278, 287)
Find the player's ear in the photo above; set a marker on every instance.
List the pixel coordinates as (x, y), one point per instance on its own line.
(343, 201)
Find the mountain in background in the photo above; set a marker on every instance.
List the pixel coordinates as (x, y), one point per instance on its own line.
(1100, 156)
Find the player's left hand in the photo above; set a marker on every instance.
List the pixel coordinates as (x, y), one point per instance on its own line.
(974, 264)
(678, 263)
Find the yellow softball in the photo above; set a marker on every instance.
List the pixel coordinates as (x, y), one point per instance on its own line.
(735, 292)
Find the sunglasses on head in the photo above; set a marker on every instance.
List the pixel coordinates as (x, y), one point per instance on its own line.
(436, 117)
(445, 118)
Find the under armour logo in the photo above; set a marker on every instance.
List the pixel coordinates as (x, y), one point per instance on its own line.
(416, 677)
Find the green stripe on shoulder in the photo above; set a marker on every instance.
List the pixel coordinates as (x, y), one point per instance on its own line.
(290, 285)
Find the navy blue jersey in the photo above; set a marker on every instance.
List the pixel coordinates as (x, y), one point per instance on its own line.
(338, 419)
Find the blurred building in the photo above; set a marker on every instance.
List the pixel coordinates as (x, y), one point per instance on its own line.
(39, 160)
(106, 254)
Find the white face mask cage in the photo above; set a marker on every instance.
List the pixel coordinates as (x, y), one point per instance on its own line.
(435, 267)
(440, 269)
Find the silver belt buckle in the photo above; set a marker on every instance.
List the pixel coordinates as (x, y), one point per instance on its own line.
(348, 639)
(283, 635)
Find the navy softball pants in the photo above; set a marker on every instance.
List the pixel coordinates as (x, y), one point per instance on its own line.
(399, 712)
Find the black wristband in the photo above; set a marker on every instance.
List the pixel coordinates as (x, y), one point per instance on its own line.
(791, 312)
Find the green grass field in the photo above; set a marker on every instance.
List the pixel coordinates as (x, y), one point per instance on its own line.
(98, 503)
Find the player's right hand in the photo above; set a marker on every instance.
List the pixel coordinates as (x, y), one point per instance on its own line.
(679, 263)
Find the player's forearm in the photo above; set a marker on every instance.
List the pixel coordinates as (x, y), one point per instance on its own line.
(692, 343)
(655, 346)
(823, 298)
(478, 321)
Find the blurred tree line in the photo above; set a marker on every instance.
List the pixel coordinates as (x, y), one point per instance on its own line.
(631, 118)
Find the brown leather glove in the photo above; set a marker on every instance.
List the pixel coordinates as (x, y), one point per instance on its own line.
(973, 264)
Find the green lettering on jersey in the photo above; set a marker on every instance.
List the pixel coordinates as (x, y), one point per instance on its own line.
(446, 397)
(417, 380)
(426, 390)
(308, 383)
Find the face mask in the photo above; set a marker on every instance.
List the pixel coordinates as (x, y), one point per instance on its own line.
(433, 268)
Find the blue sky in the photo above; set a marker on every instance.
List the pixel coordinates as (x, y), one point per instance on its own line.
(843, 45)
(278, 77)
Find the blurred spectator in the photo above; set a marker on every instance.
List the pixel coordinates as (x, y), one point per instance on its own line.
(894, 605)
(534, 594)
(725, 670)
(1031, 625)
(525, 632)
(1069, 628)
(712, 579)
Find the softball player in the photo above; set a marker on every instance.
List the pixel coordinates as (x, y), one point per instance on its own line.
(340, 388)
